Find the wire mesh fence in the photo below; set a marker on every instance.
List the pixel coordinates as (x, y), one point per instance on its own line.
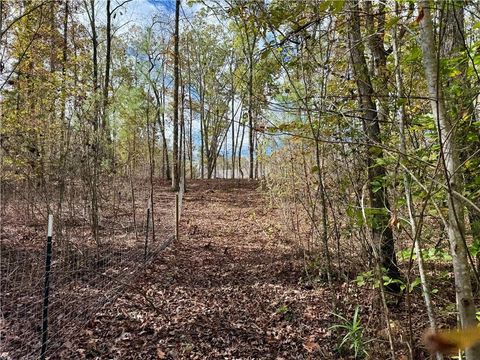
(84, 276)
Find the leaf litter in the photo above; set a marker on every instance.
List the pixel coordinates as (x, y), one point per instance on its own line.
(226, 290)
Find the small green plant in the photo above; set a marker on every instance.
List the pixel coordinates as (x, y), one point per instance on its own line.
(282, 309)
(285, 312)
(368, 278)
(353, 337)
(364, 278)
(431, 254)
(475, 247)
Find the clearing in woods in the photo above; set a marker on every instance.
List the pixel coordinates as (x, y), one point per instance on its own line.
(227, 290)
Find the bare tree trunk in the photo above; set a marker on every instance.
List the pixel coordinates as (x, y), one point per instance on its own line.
(181, 159)
(151, 158)
(108, 57)
(233, 122)
(379, 56)
(176, 173)
(256, 154)
(65, 132)
(190, 104)
(453, 46)
(381, 232)
(190, 134)
(184, 156)
(202, 133)
(132, 194)
(240, 151)
(251, 131)
(322, 190)
(96, 141)
(449, 153)
(407, 183)
(237, 137)
(165, 159)
(1, 19)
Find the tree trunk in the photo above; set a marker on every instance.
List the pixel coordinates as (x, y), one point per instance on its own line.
(401, 114)
(376, 33)
(251, 131)
(202, 133)
(96, 141)
(450, 157)
(190, 105)
(381, 232)
(240, 151)
(233, 122)
(190, 134)
(452, 46)
(151, 160)
(108, 57)
(166, 162)
(181, 158)
(176, 173)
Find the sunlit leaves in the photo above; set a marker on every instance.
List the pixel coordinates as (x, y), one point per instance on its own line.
(333, 5)
(414, 55)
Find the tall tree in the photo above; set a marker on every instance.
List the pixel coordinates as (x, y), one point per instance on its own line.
(245, 14)
(449, 153)
(176, 84)
(382, 234)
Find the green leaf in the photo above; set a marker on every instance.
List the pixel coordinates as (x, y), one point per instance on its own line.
(475, 247)
(404, 255)
(338, 5)
(360, 280)
(324, 6)
(414, 283)
(414, 55)
(376, 185)
(392, 22)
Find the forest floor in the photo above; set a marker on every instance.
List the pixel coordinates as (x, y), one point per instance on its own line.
(231, 288)
(226, 290)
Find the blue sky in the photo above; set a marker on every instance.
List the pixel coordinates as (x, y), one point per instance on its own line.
(140, 12)
(136, 12)
(168, 5)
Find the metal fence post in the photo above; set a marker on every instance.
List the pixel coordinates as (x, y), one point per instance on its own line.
(48, 263)
(177, 215)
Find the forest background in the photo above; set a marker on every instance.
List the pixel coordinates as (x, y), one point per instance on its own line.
(359, 118)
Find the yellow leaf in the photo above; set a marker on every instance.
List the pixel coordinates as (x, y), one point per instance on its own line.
(450, 341)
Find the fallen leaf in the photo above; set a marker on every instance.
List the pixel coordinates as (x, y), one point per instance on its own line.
(311, 346)
(161, 354)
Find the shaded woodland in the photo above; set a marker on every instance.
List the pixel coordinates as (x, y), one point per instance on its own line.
(239, 178)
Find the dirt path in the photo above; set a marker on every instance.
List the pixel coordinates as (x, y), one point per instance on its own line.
(226, 291)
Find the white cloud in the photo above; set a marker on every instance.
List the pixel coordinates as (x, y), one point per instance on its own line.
(140, 12)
